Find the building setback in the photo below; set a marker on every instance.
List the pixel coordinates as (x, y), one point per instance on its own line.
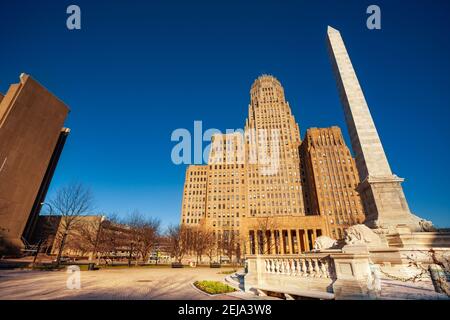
(255, 186)
(331, 179)
(31, 124)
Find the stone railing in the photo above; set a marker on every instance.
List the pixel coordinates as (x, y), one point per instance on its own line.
(311, 266)
(328, 274)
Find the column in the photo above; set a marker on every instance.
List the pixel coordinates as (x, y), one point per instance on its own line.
(259, 235)
(305, 239)
(252, 241)
(297, 240)
(313, 238)
(266, 242)
(281, 242)
(272, 242)
(289, 236)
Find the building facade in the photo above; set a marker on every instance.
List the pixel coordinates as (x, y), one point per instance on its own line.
(31, 121)
(194, 195)
(331, 179)
(257, 187)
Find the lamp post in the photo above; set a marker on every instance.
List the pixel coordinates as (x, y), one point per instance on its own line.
(41, 240)
(49, 205)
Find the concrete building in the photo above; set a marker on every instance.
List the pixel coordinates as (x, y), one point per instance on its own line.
(331, 179)
(381, 191)
(89, 236)
(255, 187)
(31, 122)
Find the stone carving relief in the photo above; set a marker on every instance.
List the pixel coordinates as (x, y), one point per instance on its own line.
(324, 242)
(426, 226)
(361, 234)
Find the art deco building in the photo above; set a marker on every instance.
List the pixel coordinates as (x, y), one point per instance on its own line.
(331, 179)
(273, 139)
(31, 140)
(194, 196)
(227, 200)
(255, 186)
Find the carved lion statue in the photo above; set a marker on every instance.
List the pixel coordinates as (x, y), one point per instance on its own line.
(427, 226)
(324, 242)
(361, 234)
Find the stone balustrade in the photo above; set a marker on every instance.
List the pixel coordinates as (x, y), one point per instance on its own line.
(312, 266)
(328, 274)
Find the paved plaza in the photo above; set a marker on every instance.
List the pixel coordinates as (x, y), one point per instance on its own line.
(153, 283)
(119, 283)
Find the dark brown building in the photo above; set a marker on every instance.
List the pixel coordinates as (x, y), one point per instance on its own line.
(31, 139)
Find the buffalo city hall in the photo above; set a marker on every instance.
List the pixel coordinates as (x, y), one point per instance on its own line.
(269, 188)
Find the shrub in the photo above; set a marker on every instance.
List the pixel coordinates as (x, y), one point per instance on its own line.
(213, 287)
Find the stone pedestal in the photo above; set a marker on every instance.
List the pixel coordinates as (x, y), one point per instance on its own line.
(385, 204)
(352, 272)
(404, 238)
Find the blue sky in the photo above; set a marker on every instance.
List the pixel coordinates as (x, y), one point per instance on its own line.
(137, 70)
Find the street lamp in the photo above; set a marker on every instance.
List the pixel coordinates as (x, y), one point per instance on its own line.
(41, 240)
(49, 205)
(51, 214)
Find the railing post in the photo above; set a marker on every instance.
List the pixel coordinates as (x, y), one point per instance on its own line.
(352, 270)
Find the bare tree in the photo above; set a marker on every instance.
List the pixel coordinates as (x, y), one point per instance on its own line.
(264, 239)
(145, 233)
(71, 202)
(114, 235)
(86, 236)
(201, 241)
(212, 248)
(178, 239)
(229, 243)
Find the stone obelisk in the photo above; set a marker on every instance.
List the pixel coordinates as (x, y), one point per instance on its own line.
(381, 192)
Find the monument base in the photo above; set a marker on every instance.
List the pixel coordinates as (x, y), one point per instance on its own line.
(385, 205)
(405, 238)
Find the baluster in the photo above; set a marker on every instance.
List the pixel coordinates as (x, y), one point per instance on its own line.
(319, 269)
(330, 269)
(310, 268)
(324, 269)
(304, 270)
(294, 267)
(288, 266)
(316, 268)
